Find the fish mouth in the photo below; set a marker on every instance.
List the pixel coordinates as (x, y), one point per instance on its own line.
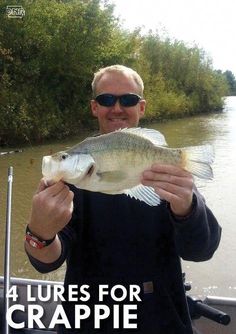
(48, 168)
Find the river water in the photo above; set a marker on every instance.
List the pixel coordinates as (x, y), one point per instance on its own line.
(214, 277)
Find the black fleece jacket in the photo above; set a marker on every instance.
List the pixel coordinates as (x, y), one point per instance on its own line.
(113, 239)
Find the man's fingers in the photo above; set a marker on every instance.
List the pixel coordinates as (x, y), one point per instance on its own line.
(56, 188)
(171, 188)
(165, 195)
(157, 176)
(41, 186)
(169, 169)
(66, 207)
(63, 194)
(169, 174)
(68, 200)
(44, 184)
(49, 183)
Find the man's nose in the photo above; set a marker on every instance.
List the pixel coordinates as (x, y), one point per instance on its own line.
(117, 107)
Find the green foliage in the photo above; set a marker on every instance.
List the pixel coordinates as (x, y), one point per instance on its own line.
(47, 61)
(49, 58)
(179, 80)
(231, 81)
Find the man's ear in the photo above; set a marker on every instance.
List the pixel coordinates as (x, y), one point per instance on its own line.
(142, 106)
(94, 109)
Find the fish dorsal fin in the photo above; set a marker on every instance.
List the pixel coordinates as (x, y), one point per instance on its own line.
(144, 193)
(154, 136)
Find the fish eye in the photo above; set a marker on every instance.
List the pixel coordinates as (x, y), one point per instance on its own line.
(64, 156)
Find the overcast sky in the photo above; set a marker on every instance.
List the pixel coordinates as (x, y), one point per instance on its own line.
(211, 24)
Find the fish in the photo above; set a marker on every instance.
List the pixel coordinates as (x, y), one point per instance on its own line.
(113, 163)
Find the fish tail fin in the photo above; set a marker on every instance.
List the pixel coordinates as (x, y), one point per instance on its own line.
(198, 160)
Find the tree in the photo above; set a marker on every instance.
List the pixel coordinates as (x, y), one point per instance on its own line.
(54, 51)
(230, 78)
(47, 61)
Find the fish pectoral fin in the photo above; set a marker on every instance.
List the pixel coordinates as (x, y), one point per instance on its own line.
(144, 193)
(111, 176)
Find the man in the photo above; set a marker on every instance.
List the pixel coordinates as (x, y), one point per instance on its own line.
(113, 239)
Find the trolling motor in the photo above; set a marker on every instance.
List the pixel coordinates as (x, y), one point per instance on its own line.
(198, 308)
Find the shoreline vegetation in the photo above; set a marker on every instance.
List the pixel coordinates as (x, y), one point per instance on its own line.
(48, 57)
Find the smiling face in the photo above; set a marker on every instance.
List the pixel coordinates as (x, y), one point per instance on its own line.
(117, 117)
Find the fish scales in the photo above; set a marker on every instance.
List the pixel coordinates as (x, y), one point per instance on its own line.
(165, 155)
(113, 163)
(118, 150)
(118, 141)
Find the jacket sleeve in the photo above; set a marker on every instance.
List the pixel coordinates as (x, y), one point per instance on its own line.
(67, 237)
(198, 235)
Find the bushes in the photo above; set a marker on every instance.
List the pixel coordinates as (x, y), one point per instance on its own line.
(47, 61)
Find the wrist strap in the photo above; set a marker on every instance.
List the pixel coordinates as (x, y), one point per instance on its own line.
(35, 241)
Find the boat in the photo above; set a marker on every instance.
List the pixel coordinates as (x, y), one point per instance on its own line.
(217, 315)
(20, 317)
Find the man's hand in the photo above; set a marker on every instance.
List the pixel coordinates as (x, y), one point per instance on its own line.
(52, 208)
(173, 184)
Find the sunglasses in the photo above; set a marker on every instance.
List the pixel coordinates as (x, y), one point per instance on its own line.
(126, 100)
